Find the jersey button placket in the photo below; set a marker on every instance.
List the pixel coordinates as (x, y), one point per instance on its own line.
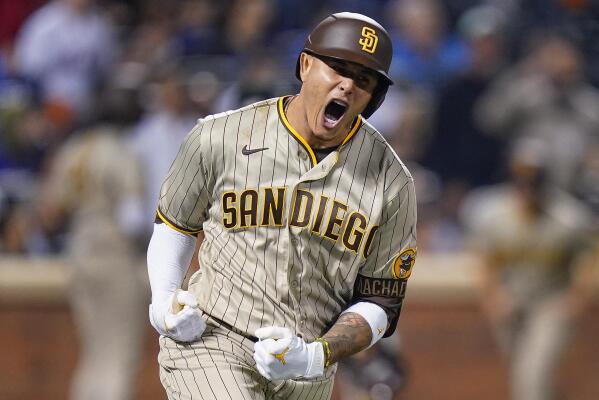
(306, 163)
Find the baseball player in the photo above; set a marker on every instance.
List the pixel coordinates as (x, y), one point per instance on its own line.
(95, 181)
(309, 222)
(537, 244)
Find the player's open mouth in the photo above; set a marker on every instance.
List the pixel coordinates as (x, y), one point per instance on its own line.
(333, 113)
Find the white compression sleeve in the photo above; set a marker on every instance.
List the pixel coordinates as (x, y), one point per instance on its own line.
(374, 315)
(169, 255)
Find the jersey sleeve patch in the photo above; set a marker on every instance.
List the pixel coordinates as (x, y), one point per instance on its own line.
(403, 264)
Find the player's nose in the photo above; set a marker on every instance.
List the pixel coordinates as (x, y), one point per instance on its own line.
(346, 84)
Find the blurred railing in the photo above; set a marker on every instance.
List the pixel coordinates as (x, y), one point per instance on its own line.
(447, 277)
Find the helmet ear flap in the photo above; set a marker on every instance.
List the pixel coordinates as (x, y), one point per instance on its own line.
(378, 96)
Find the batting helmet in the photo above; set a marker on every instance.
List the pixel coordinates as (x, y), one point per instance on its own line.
(356, 38)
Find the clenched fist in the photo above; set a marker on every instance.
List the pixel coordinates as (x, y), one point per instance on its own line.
(179, 318)
(279, 354)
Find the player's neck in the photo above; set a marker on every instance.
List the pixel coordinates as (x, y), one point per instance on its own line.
(298, 118)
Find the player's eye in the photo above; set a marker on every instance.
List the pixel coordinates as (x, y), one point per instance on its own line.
(362, 79)
(365, 80)
(341, 70)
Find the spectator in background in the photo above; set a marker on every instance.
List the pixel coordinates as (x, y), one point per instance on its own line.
(150, 43)
(577, 18)
(13, 14)
(27, 136)
(248, 26)
(196, 32)
(296, 15)
(425, 53)
(374, 8)
(68, 47)
(258, 80)
(19, 150)
(26, 140)
(95, 184)
(586, 186)
(536, 243)
(546, 96)
(458, 151)
(157, 137)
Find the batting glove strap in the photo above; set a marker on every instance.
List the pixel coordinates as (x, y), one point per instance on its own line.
(287, 356)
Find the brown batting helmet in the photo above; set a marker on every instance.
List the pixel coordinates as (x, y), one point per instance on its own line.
(356, 38)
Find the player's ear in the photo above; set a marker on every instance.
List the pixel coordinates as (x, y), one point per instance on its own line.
(306, 62)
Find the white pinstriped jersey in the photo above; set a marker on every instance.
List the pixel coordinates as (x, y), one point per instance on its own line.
(288, 239)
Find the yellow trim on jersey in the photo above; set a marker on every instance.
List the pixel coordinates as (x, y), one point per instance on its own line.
(294, 132)
(171, 225)
(353, 130)
(303, 141)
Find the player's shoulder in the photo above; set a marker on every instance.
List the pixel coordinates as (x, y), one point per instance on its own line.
(222, 129)
(383, 154)
(238, 112)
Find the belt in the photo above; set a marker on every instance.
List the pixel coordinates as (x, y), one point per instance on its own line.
(232, 328)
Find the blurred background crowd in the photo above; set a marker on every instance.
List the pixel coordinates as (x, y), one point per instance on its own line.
(473, 78)
(494, 100)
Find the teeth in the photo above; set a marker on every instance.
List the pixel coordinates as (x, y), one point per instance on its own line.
(340, 102)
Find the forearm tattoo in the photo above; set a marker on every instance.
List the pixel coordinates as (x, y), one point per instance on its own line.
(350, 334)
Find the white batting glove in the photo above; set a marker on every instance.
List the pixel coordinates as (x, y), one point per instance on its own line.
(180, 319)
(279, 354)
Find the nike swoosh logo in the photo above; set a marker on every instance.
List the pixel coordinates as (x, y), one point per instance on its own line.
(246, 152)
